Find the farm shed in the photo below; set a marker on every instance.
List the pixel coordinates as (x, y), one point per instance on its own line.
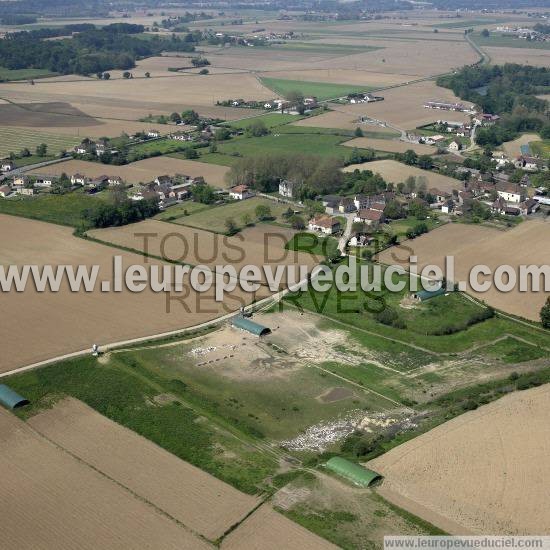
(352, 472)
(250, 326)
(11, 399)
(424, 295)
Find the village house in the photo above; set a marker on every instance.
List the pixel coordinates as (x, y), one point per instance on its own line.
(79, 179)
(346, 205)
(240, 192)
(5, 190)
(510, 192)
(531, 164)
(370, 217)
(180, 192)
(163, 180)
(325, 224)
(455, 146)
(44, 181)
(7, 165)
(288, 188)
(486, 119)
(20, 181)
(181, 136)
(115, 180)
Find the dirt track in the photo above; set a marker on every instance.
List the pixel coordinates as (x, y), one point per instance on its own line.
(486, 470)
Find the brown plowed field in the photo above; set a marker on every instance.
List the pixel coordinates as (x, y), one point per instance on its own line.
(83, 318)
(266, 529)
(394, 171)
(201, 502)
(486, 471)
(52, 500)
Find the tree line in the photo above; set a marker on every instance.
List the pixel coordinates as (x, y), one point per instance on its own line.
(90, 51)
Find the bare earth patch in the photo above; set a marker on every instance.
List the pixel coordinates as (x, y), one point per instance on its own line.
(485, 471)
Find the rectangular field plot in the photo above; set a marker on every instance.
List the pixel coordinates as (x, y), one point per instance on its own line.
(196, 499)
(12, 140)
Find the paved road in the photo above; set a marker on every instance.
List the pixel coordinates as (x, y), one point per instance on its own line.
(30, 167)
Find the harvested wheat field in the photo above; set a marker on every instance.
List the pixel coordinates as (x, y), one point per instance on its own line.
(525, 56)
(393, 171)
(486, 471)
(83, 318)
(253, 246)
(142, 171)
(473, 244)
(53, 500)
(266, 529)
(199, 501)
(390, 145)
(173, 93)
(513, 148)
(404, 106)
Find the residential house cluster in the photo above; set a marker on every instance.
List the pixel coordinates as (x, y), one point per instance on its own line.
(168, 190)
(91, 147)
(364, 98)
(446, 106)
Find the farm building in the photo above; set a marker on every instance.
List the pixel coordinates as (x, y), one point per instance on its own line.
(11, 399)
(423, 295)
(250, 326)
(352, 472)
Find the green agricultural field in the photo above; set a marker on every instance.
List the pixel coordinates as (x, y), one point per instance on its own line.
(463, 23)
(12, 140)
(400, 227)
(541, 148)
(506, 41)
(161, 146)
(314, 144)
(182, 209)
(213, 218)
(23, 74)
(61, 209)
(271, 120)
(321, 90)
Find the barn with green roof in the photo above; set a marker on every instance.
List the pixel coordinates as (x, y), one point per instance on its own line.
(357, 474)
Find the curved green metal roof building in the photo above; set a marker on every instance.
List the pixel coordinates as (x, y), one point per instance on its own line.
(352, 472)
(250, 326)
(11, 399)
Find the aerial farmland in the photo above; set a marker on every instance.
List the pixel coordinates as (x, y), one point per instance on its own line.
(225, 234)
